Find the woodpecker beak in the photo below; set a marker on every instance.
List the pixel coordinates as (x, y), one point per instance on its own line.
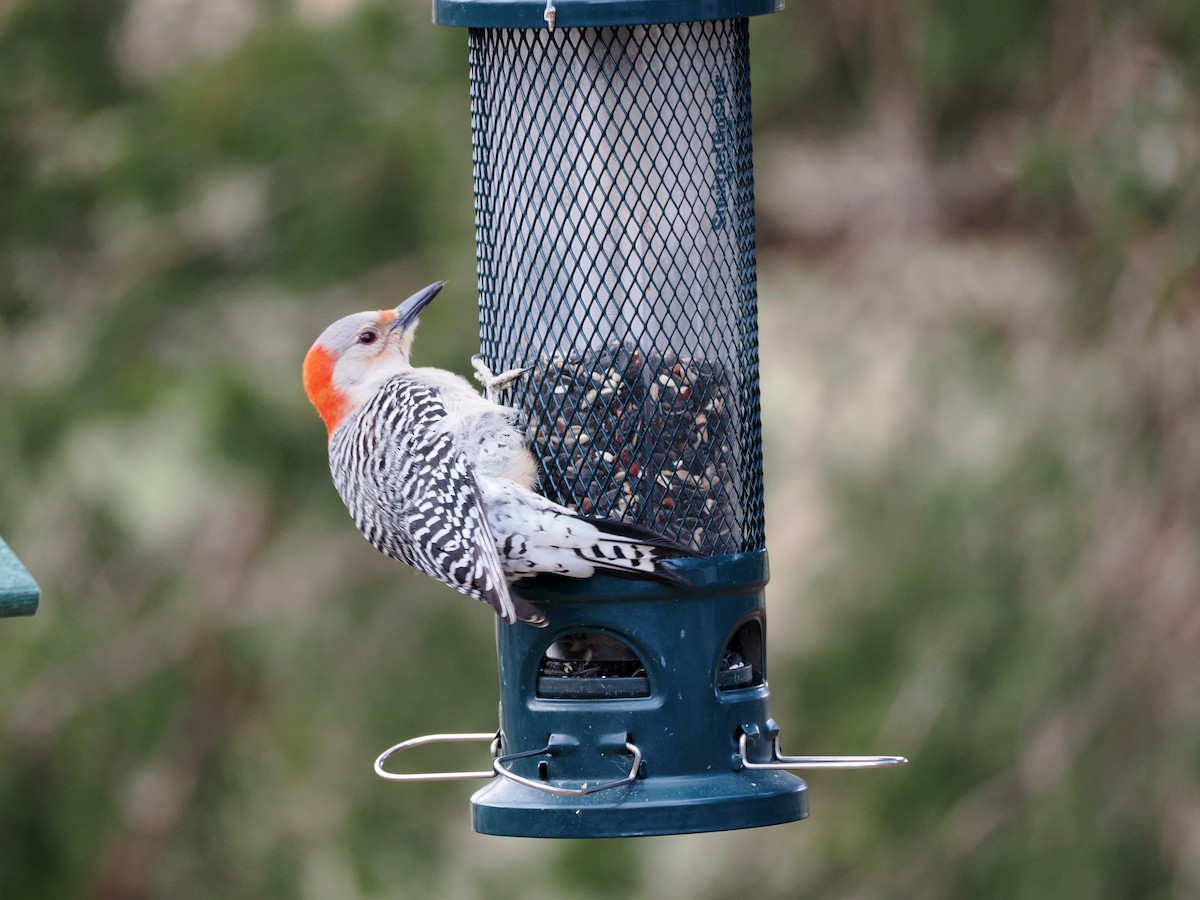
(407, 312)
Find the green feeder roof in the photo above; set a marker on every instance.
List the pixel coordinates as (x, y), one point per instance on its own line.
(19, 593)
(592, 13)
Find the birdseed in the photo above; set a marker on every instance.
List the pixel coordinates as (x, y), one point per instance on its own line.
(648, 438)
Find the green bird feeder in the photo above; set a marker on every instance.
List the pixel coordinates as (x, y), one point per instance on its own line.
(614, 202)
(19, 594)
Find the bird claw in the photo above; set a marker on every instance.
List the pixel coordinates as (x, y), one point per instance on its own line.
(494, 384)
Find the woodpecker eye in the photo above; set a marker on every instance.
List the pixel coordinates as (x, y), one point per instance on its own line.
(367, 337)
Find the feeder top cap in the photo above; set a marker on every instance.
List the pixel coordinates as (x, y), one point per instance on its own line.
(592, 13)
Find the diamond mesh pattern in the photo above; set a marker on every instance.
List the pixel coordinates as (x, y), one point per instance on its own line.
(615, 228)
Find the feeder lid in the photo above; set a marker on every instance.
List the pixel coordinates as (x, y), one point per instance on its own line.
(592, 13)
(19, 593)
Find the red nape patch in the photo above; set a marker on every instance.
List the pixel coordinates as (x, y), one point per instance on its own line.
(318, 384)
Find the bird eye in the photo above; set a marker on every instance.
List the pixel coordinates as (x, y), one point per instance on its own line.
(367, 337)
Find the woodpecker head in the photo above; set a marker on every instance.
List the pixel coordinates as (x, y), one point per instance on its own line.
(355, 355)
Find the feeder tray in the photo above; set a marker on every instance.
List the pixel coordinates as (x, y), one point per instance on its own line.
(614, 201)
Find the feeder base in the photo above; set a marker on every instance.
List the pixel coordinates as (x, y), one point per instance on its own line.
(678, 805)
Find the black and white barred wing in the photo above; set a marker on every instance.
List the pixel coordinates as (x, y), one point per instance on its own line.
(414, 497)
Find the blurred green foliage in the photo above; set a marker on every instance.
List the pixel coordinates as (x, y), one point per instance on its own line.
(982, 419)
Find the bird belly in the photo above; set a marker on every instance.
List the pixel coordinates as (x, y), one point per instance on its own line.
(495, 448)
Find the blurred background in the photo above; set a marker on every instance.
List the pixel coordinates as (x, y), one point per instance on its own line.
(979, 228)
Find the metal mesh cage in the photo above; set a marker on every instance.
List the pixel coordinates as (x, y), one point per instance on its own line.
(615, 230)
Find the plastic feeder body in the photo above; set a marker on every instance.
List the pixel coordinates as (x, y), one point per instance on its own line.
(673, 724)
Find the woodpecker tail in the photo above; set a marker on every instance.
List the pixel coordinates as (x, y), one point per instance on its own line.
(525, 611)
(535, 535)
(634, 551)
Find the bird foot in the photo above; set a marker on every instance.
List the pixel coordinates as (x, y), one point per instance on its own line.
(494, 384)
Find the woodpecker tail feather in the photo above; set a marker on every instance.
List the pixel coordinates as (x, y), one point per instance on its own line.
(525, 611)
(626, 545)
(535, 535)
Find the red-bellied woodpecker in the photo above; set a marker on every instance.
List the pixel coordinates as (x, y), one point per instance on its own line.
(442, 478)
